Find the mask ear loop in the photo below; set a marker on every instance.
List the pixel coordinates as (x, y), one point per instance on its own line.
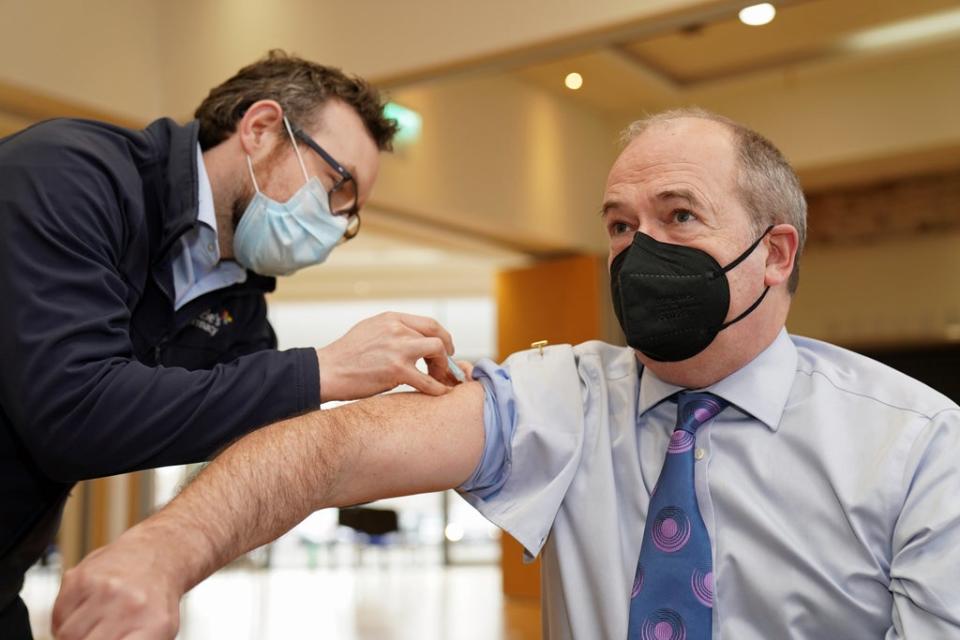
(748, 311)
(296, 148)
(746, 254)
(252, 177)
(743, 256)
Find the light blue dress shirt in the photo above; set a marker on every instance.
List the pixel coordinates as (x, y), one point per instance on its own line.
(830, 489)
(197, 269)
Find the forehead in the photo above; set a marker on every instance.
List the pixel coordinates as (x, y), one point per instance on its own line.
(691, 152)
(340, 130)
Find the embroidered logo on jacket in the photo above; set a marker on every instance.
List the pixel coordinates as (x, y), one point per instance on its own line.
(211, 322)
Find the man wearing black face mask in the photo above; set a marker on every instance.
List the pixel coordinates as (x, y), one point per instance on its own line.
(133, 272)
(673, 300)
(719, 478)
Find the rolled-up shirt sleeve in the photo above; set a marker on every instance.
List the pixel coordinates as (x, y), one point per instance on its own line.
(499, 423)
(533, 421)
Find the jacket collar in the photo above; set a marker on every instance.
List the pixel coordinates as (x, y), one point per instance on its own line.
(176, 149)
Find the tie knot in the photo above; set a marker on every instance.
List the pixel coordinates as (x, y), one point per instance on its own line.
(695, 408)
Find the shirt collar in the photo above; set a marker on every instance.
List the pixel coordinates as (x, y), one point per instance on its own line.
(760, 388)
(205, 211)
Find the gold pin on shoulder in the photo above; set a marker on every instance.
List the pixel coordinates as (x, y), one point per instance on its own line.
(539, 344)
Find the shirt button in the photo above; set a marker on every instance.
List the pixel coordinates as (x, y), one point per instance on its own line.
(699, 454)
(210, 247)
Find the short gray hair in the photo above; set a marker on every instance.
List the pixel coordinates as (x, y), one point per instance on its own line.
(766, 183)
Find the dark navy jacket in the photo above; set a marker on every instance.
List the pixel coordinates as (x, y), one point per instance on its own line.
(98, 374)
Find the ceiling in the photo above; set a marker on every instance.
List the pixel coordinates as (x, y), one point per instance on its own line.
(812, 51)
(803, 32)
(662, 68)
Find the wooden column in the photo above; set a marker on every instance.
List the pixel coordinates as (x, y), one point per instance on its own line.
(565, 300)
(98, 511)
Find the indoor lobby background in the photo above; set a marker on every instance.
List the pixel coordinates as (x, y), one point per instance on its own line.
(486, 217)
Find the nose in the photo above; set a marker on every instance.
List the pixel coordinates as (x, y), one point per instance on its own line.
(651, 230)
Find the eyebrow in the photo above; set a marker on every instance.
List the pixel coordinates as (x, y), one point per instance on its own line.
(608, 205)
(680, 194)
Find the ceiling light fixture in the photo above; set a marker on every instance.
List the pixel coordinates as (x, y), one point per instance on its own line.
(573, 81)
(929, 29)
(758, 14)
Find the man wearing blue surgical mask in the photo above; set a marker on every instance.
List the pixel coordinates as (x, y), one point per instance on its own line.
(133, 268)
(289, 183)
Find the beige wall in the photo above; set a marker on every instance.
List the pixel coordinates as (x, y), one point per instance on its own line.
(100, 53)
(890, 292)
(504, 158)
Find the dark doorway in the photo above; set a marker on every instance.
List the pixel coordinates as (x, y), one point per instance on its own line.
(936, 366)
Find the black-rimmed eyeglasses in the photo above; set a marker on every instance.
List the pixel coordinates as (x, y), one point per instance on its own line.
(343, 194)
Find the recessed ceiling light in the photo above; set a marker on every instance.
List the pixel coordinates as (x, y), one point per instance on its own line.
(758, 14)
(573, 81)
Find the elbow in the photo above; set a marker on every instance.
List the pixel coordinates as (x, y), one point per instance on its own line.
(64, 452)
(68, 465)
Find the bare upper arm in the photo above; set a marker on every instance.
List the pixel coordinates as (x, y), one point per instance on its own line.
(406, 443)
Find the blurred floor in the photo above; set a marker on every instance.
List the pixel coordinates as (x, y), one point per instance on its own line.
(348, 603)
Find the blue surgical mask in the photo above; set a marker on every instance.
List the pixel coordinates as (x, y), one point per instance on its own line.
(277, 238)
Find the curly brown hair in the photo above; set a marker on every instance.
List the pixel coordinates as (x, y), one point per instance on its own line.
(300, 86)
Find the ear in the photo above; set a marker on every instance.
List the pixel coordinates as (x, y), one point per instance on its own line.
(259, 128)
(782, 243)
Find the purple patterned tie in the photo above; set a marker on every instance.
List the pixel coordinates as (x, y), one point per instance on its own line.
(672, 596)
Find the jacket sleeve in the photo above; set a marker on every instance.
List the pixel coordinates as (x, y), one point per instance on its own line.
(77, 398)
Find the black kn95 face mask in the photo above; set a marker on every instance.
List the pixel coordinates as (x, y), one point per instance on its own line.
(672, 300)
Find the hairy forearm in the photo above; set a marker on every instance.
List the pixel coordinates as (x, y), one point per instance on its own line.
(268, 481)
(254, 491)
